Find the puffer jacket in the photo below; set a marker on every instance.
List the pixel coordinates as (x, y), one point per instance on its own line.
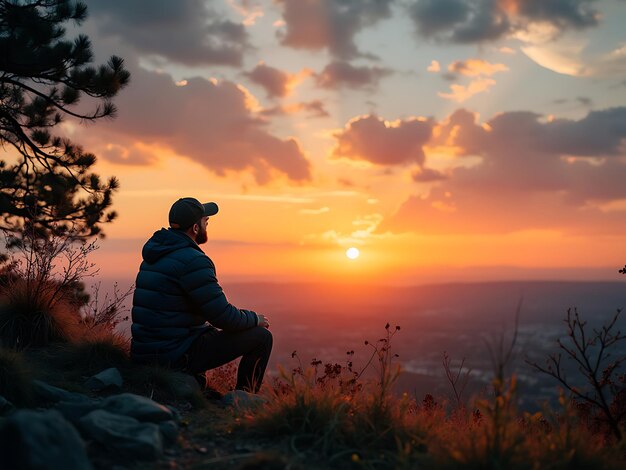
(176, 294)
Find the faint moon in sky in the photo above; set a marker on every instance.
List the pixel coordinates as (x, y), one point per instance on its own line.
(353, 253)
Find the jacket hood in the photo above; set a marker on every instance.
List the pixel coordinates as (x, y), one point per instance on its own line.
(164, 242)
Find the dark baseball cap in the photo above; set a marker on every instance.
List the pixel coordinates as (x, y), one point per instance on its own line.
(187, 211)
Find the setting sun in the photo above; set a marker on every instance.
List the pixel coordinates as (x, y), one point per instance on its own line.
(353, 253)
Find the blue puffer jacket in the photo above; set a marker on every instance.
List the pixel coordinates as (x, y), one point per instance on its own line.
(176, 294)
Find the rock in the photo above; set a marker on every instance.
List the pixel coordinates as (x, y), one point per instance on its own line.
(136, 406)
(41, 440)
(6, 407)
(123, 434)
(73, 411)
(184, 386)
(108, 379)
(242, 400)
(53, 394)
(169, 431)
(175, 413)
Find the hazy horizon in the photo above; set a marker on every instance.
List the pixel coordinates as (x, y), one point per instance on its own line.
(323, 321)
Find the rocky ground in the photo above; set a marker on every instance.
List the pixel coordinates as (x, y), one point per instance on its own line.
(106, 426)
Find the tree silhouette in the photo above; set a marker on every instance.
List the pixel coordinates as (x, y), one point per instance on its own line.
(45, 179)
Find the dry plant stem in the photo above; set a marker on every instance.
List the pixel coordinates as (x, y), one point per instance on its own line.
(106, 312)
(581, 351)
(502, 356)
(457, 381)
(37, 259)
(500, 411)
(50, 270)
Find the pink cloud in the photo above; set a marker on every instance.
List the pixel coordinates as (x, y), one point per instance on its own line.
(214, 123)
(533, 174)
(370, 138)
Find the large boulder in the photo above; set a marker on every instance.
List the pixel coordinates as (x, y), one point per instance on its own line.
(138, 407)
(109, 380)
(41, 440)
(123, 434)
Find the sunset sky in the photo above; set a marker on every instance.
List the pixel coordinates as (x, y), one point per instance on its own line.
(445, 139)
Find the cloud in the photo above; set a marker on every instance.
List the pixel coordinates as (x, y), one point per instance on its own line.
(476, 67)
(479, 70)
(321, 210)
(532, 174)
(540, 25)
(576, 57)
(213, 123)
(276, 82)
(361, 236)
(189, 32)
(580, 100)
(460, 21)
(506, 50)
(475, 21)
(250, 10)
(428, 175)
(434, 66)
(460, 93)
(313, 108)
(329, 24)
(370, 138)
(131, 155)
(563, 14)
(338, 74)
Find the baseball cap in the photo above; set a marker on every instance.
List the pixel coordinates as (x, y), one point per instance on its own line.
(187, 211)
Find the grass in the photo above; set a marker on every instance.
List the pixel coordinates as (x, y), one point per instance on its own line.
(323, 416)
(28, 320)
(333, 421)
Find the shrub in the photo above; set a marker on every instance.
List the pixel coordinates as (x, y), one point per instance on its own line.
(43, 298)
(29, 318)
(42, 290)
(91, 356)
(593, 352)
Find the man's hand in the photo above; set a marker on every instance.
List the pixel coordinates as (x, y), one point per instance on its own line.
(263, 321)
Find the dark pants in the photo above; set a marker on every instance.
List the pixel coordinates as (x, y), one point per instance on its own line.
(216, 348)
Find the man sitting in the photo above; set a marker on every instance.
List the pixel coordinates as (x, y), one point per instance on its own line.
(180, 315)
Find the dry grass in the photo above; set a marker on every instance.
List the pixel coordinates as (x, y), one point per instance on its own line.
(336, 422)
(33, 320)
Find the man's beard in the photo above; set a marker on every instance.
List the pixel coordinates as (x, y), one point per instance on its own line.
(202, 236)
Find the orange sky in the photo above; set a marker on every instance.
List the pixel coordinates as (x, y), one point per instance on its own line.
(440, 156)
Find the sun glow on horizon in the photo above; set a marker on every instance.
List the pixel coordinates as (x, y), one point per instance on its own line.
(353, 253)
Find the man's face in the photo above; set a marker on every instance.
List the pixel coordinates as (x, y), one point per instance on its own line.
(202, 236)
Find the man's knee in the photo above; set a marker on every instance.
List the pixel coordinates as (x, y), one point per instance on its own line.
(264, 336)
